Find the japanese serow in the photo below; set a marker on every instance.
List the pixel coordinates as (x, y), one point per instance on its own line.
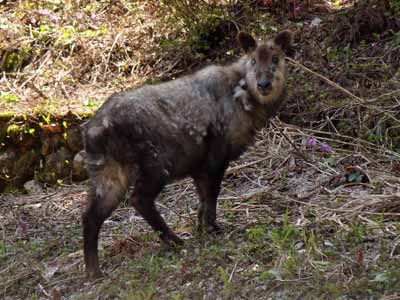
(192, 126)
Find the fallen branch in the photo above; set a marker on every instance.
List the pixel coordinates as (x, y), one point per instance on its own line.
(327, 80)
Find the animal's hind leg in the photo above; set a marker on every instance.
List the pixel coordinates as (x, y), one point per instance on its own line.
(145, 192)
(108, 187)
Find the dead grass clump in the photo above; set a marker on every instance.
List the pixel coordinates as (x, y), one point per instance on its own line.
(365, 21)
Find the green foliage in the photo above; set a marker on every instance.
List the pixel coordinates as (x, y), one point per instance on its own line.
(203, 26)
(15, 60)
(8, 97)
(395, 4)
(257, 238)
(284, 237)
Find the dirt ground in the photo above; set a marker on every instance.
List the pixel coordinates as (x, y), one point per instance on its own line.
(299, 223)
(312, 211)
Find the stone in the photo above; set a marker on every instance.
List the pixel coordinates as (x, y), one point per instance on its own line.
(79, 171)
(50, 143)
(57, 166)
(7, 161)
(24, 167)
(74, 139)
(32, 187)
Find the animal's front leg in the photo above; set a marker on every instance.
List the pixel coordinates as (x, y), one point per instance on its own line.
(208, 185)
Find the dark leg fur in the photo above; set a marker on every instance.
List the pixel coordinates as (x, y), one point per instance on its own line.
(106, 191)
(143, 197)
(208, 186)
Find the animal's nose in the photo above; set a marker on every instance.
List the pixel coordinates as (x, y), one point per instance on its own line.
(264, 84)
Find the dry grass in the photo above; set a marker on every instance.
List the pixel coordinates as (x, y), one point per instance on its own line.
(310, 212)
(41, 247)
(70, 55)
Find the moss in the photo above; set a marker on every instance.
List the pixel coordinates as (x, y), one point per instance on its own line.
(46, 175)
(6, 116)
(57, 166)
(14, 128)
(25, 135)
(13, 189)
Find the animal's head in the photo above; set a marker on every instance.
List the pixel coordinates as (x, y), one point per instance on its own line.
(265, 68)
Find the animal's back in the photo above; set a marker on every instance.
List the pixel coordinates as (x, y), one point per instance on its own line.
(162, 126)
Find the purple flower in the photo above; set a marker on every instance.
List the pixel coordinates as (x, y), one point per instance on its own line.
(326, 148)
(312, 142)
(79, 15)
(33, 20)
(95, 17)
(53, 17)
(44, 12)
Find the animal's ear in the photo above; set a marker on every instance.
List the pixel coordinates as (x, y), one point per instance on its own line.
(246, 42)
(284, 39)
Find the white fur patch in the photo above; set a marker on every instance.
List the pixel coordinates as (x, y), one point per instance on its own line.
(106, 122)
(95, 131)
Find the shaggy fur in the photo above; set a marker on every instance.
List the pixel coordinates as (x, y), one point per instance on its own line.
(191, 126)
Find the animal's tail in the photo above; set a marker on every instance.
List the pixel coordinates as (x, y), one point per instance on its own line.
(95, 143)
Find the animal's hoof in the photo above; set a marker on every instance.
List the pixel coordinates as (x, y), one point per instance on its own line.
(93, 275)
(214, 228)
(172, 241)
(210, 228)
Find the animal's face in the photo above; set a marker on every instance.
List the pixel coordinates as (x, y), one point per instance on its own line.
(265, 65)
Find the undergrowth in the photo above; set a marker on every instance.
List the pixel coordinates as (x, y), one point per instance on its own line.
(316, 218)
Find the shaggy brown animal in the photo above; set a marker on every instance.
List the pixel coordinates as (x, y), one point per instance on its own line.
(192, 126)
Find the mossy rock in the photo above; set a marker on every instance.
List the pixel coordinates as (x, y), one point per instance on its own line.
(25, 167)
(7, 161)
(43, 152)
(57, 166)
(79, 171)
(14, 133)
(6, 116)
(13, 189)
(51, 142)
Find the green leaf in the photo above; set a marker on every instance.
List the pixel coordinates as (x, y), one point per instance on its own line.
(275, 273)
(355, 177)
(381, 277)
(8, 97)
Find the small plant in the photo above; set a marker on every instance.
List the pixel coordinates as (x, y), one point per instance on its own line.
(395, 4)
(284, 238)
(9, 97)
(257, 238)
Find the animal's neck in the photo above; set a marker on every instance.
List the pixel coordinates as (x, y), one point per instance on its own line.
(263, 112)
(239, 68)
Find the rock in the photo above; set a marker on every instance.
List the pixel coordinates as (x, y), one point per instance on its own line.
(79, 172)
(51, 128)
(315, 22)
(32, 187)
(57, 166)
(7, 160)
(74, 139)
(50, 143)
(14, 133)
(24, 167)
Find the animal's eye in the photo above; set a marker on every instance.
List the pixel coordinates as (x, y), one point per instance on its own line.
(253, 61)
(275, 60)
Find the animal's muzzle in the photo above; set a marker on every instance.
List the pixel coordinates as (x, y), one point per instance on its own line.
(264, 86)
